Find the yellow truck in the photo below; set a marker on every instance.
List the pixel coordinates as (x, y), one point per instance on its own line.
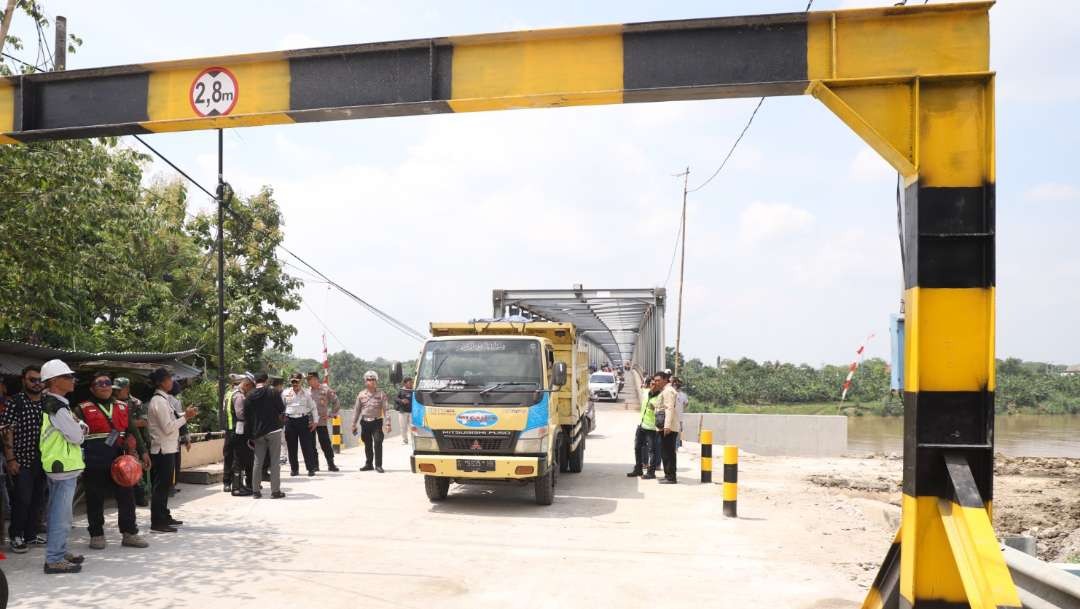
(500, 401)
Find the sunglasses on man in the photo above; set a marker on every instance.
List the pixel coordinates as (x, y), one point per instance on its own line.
(105, 383)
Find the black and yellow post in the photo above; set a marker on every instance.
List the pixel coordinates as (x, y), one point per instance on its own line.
(731, 480)
(706, 456)
(335, 436)
(914, 82)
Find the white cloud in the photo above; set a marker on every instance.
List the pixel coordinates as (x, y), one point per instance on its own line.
(1053, 192)
(868, 166)
(764, 221)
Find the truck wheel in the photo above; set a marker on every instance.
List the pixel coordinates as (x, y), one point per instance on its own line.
(545, 487)
(437, 488)
(577, 458)
(564, 454)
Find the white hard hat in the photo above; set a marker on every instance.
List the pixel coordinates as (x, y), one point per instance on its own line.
(371, 374)
(54, 368)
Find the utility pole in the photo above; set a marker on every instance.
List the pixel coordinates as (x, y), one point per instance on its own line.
(60, 49)
(682, 269)
(221, 266)
(6, 23)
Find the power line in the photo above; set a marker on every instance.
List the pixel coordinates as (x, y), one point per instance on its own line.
(396, 324)
(731, 151)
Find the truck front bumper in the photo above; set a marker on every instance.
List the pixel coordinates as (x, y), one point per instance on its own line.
(480, 467)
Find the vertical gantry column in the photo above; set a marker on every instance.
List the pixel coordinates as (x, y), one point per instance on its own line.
(948, 217)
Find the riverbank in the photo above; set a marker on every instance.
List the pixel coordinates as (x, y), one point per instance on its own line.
(891, 408)
(1032, 496)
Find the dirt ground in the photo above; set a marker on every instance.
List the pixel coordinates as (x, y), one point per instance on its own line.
(1032, 495)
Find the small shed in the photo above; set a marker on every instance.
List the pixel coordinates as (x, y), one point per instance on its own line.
(14, 356)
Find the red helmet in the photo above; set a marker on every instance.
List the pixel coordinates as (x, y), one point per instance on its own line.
(126, 471)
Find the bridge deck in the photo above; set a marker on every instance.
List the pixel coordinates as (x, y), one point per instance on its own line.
(363, 539)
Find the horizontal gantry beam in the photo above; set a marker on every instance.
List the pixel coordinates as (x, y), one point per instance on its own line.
(644, 62)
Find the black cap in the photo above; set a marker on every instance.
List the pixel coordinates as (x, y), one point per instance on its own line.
(260, 377)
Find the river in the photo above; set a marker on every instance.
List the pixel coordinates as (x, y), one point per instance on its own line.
(1018, 435)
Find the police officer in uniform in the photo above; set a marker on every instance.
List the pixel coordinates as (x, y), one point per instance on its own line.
(111, 433)
(238, 455)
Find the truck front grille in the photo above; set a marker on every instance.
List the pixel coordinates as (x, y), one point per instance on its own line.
(476, 442)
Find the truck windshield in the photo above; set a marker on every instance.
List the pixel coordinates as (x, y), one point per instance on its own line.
(497, 365)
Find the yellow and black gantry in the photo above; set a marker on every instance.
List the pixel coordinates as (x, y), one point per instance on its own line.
(913, 81)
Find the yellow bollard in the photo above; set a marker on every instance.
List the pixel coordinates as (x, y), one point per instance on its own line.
(335, 436)
(731, 480)
(706, 456)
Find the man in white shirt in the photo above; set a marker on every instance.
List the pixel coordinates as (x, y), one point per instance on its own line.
(301, 416)
(164, 426)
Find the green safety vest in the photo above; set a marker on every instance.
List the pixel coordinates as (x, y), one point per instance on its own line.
(57, 454)
(227, 405)
(648, 413)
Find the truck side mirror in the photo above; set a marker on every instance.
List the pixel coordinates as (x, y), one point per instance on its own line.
(558, 374)
(396, 374)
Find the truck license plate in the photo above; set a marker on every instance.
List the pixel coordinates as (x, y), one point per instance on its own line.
(475, 465)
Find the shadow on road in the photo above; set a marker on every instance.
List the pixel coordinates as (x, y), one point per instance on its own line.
(195, 557)
(593, 492)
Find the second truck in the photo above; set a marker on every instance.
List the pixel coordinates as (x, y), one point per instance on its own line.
(500, 401)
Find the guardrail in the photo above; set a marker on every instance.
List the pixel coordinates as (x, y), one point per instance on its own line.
(1040, 584)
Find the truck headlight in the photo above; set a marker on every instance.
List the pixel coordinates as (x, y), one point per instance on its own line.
(532, 441)
(423, 439)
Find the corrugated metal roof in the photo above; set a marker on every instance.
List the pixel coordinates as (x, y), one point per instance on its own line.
(15, 355)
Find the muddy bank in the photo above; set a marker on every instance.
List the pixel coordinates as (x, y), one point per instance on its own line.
(1036, 496)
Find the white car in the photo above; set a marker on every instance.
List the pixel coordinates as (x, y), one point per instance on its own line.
(604, 386)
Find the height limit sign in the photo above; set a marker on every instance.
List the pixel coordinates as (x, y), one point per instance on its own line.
(214, 92)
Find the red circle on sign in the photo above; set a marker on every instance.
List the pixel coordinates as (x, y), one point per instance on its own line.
(236, 89)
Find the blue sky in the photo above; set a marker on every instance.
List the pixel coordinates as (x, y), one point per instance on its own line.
(792, 252)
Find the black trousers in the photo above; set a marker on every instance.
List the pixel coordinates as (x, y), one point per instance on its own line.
(646, 449)
(371, 433)
(28, 501)
(97, 483)
(668, 444)
(239, 459)
(230, 459)
(296, 429)
(162, 471)
(323, 436)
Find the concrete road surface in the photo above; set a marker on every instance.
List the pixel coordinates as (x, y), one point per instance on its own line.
(361, 539)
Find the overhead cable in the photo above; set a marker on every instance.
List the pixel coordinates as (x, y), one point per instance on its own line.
(385, 317)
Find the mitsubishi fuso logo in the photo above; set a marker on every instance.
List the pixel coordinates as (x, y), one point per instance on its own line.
(477, 418)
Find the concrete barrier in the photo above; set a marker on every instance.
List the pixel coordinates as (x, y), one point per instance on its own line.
(203, 453)
(773, 434)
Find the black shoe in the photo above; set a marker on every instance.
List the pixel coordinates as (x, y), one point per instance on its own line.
(19, 546)
(367, 468)
(163, 528)
(649, 476)
(227, 487)
(311, 473)
(277, 495)
(294, 473)
(379, 469)
(333, 468)
(669, 481)
(256, 495)
(241, 492)
(174, 522)
(634, 474)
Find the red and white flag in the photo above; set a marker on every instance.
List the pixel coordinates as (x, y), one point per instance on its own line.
(326, 361)
(855, 366)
